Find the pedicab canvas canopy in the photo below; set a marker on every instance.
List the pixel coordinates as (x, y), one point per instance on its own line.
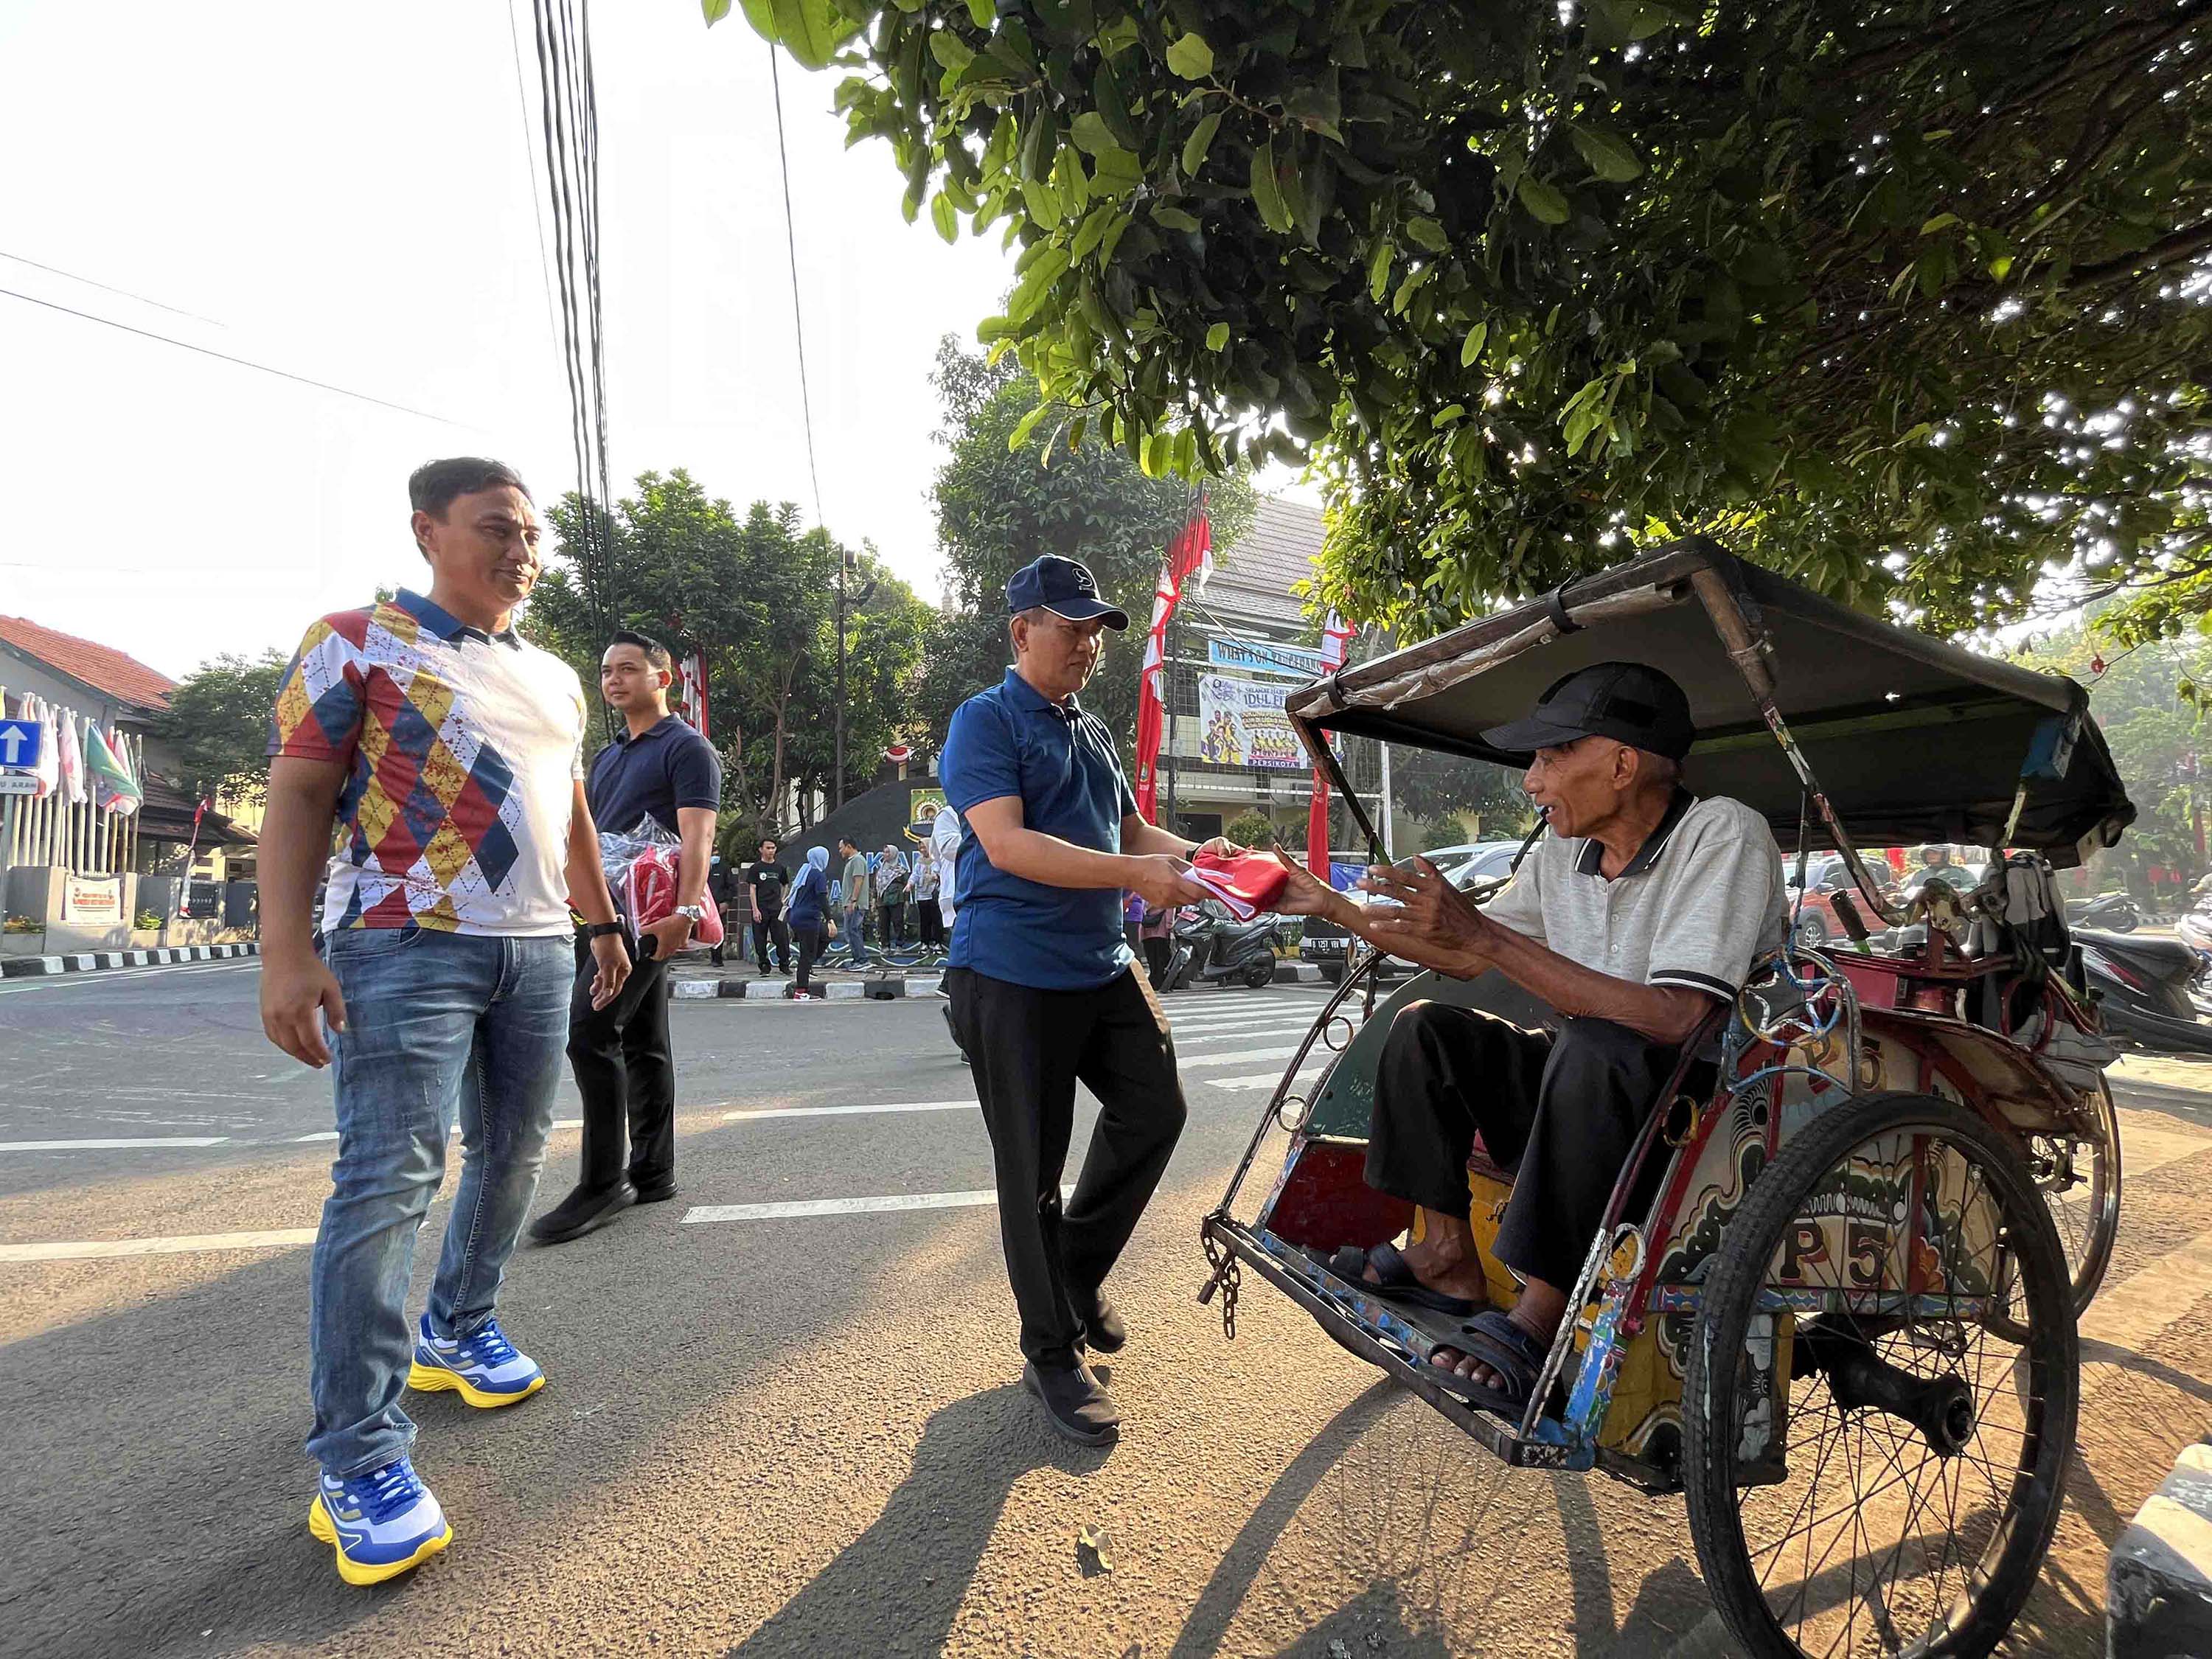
(1911, 739)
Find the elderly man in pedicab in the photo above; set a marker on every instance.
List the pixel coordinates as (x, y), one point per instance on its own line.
(1638, 912)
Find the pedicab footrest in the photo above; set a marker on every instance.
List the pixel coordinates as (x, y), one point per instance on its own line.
(1387, 1337)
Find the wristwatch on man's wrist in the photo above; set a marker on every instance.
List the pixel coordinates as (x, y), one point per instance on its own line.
(601, 929)
(697, 912)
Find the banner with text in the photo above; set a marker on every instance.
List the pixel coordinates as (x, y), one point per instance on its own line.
(1242, 723)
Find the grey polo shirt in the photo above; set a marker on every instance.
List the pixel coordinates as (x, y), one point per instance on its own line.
(1701, 900)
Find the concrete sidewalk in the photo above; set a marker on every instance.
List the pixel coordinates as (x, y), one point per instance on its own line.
(88, 962)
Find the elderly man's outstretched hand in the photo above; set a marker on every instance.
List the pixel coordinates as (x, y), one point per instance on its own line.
(1306, 895)
(1433, 923)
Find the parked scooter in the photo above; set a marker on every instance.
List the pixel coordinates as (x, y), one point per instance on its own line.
(2116, 911)
(1211, 945)
(2142, 988)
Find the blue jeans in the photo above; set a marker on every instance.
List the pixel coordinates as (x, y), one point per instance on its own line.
(436, 1023)
(856, 916)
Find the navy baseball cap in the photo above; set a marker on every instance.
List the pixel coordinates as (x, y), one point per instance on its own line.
(1624, 701)
(1064, 587)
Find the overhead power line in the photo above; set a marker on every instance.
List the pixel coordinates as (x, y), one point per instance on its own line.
(243, 362)
(797, 321)
(108, 287)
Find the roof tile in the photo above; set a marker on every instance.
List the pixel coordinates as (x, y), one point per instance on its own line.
(116, 673)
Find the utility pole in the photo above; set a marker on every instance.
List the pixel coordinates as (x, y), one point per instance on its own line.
(1167, 696)
(845, 561)
(1389, 826)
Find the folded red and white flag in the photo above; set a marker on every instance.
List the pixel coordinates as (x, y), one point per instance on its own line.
(1247, 884)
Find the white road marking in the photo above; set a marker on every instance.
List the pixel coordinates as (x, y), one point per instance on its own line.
(850, 1112)
(1241, 1034)
(1241, 1056)
(107, 1249)
(1257, 1080)
(110, 1145)
(109, 975)
(799, 1208)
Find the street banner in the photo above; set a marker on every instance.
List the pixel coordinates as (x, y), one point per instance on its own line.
(1189, 562)
(1264, 656)
(97, 900)
(1242, 723)
(1336, 637)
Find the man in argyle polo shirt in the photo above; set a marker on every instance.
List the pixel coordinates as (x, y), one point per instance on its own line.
(433, 760)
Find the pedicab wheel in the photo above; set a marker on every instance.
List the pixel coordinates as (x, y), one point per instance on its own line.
(2078, 1176)
(1895, 1491)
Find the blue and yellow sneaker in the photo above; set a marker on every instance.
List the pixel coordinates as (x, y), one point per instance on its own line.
(381, 1523)
(483, 1367)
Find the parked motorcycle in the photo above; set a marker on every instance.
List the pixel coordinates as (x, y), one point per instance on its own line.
(1210, 945)
(2116, 911)
(2142, 988)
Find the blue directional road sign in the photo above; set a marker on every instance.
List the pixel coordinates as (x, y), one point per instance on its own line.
(19, 743)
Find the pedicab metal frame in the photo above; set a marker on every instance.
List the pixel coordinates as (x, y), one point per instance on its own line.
(2064, 799)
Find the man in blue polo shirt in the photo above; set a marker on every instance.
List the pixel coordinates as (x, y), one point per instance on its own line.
(657, 769)
(1042, 996)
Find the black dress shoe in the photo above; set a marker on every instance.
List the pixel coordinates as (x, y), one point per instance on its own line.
(1102, 1330)
(583, 1211)
(1074, 1404)
(654, 1192)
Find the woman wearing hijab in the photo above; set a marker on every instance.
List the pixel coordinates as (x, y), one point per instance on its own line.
(809, 912)
(892, 891)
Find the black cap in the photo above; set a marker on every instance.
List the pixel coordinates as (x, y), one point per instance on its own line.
(1064, 587)
(1624, 701)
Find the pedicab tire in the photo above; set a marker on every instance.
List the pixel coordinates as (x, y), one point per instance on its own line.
(1724, 1321)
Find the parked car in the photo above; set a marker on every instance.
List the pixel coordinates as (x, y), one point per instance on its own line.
(1326, 944)
(1826, 876)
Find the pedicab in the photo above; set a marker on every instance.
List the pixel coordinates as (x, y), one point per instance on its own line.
(1833, 1300)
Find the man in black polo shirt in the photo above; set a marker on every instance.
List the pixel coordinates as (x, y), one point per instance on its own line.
(657, 767)
(766, 882)
(1041, 994)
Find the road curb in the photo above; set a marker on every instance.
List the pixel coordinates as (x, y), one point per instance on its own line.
(2158, 1589)
(93, 962)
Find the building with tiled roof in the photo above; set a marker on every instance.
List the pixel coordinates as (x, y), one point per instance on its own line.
(111, 686)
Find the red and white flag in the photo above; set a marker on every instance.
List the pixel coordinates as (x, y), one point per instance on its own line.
(1189, 562)
(691, 687)
(1336, 637)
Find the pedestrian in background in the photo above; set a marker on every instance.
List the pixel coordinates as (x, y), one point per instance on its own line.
(444, 978)
(929, 921)
(766, 879)
(659, 771)
(810, 917)
(893, 888)
(1157, 935)
(1132, 923)
(853, 889)
(1043, 994)
(718, 895)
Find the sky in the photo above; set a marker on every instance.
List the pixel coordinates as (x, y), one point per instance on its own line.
(343, 193)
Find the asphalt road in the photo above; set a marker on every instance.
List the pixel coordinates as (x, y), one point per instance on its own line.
(800, 1433)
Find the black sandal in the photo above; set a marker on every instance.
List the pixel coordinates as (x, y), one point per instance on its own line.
(1394, 1280)
(1515, 1354)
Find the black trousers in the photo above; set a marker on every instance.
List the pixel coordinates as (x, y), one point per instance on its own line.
(808, 937)
(626, 1073)
(931, 921)
(772, 929)
(1156, 952)
(1561, 1112)
(1029, 1049)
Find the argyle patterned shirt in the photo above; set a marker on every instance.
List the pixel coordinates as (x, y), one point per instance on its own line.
(463, 750)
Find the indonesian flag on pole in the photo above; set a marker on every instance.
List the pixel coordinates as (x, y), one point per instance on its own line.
(691, 675)
(1189, 562)
(1336, 637)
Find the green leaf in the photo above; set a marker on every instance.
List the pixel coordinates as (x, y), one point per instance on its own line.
(1609, 155)
(1429, 234)
(1217, 338)
(1446, 415)
(1378, 268)
(1941, 221)
(716, 10)
(1268, 189)
(1026, 425)
(1200, 141)
(1116, 172)
(811, 31)
(1543, 201)
(949, 49)
(2001, 267)
(1477, 337)
(982, 13)
(1095, 227)
(1091, 134)
(942, 215)
(1173, 218)
(1191, 58)
(1159, 451)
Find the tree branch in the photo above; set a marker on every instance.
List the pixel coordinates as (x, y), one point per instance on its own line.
(2180, 245)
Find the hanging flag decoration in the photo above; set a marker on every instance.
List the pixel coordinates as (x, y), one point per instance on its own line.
(113, 788)
(72, 761)
(1336, 637)
(1189, 562)
(691, 687)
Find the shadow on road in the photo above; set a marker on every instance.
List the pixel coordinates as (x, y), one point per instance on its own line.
(871, 1599)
